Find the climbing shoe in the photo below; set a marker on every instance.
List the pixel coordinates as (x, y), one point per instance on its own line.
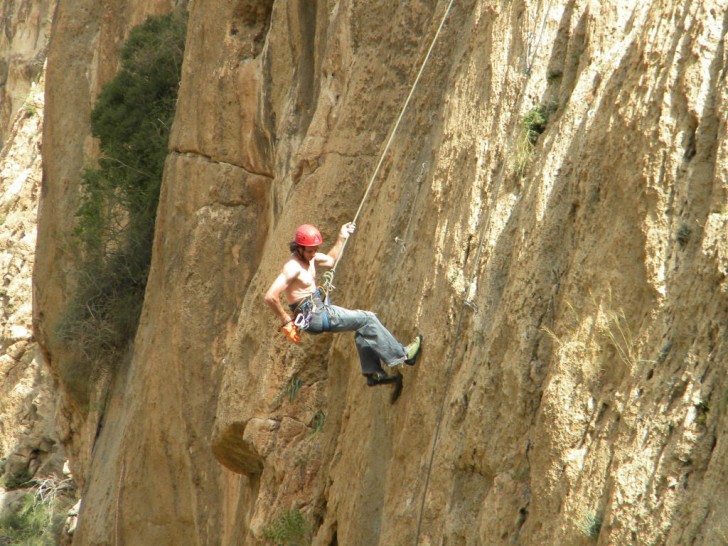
(374, 379)
(397, 390)
(412, 350)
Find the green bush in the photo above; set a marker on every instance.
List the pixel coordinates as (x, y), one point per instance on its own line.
(533, 123)
(15, 480)
(115, 219)
(34, 523)
(288, 529)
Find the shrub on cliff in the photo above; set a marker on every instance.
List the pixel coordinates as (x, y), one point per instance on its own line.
(37, 518)
(533, 123)
(288, 529)
(115, 220)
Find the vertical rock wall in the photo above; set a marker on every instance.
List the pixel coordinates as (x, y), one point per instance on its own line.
(30, 451)
(23, 46)
(83, 55)
(28, 439)
(573, 297)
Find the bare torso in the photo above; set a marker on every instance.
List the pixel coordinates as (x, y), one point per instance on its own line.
(304, 283)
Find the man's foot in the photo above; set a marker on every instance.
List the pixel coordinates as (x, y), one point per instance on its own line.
(374, 379)
(397, 390)
(412, 350)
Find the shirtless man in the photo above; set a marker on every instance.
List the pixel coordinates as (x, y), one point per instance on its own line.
(310, 310)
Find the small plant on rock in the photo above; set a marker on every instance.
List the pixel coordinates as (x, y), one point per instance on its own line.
(614, 326)
(683, 234)
(553, 75)
(317, 422)
(533, 124)
(37, 520)
(289, 391)
(288, 529)
(292, 387)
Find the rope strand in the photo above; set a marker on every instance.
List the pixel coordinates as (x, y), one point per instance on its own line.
(395, 128)
(467, 302)
(458, 329)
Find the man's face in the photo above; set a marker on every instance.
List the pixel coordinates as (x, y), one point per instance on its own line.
(309, 252)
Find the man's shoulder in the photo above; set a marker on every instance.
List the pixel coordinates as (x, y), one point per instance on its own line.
(291, 267)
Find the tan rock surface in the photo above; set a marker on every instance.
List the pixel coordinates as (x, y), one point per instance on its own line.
(26, 382)
(26, 25)
(575, 317)
(83, 56)
(30, 449)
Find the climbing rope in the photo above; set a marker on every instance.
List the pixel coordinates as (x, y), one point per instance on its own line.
(395, 127)
(328, 286)
(531, 56)
(467, 302)
(448, 370)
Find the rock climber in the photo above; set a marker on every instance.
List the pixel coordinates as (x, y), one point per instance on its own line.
(310, 309)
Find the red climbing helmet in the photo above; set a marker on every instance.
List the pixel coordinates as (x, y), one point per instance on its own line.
(308, 235)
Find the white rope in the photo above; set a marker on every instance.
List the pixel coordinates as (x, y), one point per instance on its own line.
(395, 128)
(466, 303)
(358, 213)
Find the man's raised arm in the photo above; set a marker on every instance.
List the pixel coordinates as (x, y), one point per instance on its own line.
(333, 254)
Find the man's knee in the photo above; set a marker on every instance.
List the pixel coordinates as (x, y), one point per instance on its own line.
(370, 317)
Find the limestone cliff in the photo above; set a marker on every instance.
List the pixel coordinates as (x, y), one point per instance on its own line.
(23, 374)
(31, 457)
(23, 42)
(571, 285)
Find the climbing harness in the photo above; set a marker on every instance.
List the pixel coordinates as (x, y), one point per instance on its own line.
(303, 316)
(319, 301)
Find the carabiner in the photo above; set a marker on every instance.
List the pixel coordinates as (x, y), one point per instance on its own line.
(302, 320)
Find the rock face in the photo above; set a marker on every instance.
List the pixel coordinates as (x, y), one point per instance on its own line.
(20, 175)
(23, 41)
(31, 457)
(571, 286)
(29, 444)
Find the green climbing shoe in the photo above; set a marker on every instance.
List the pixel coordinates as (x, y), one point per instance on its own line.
(413, 349)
